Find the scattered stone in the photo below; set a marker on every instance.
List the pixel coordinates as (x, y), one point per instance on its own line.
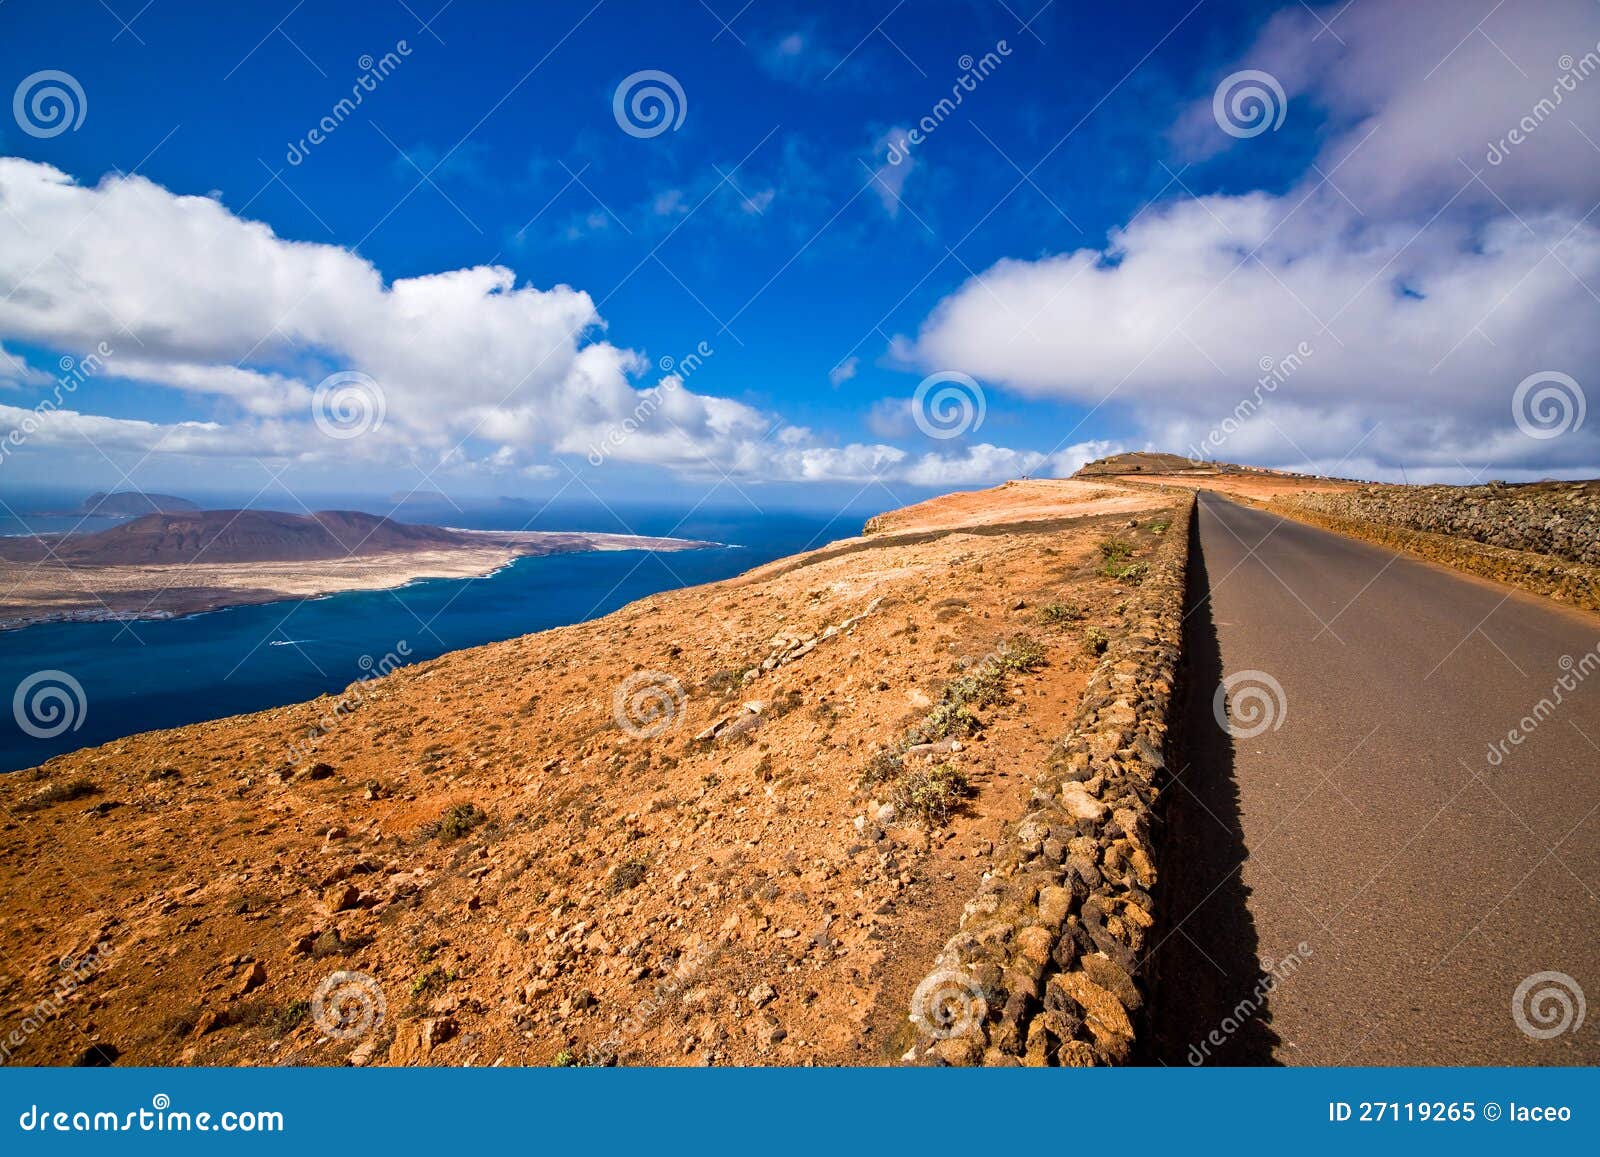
(341, 897)
(254, 977)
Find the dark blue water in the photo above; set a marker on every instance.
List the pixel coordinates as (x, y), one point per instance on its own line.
(145, 675)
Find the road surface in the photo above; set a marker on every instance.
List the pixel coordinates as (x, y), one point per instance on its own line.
(1371, 875)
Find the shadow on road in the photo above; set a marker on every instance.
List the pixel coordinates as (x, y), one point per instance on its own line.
(1207, 993)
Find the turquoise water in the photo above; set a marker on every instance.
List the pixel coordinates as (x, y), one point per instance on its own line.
(145, 675)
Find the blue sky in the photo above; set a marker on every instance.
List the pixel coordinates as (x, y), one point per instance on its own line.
(1082, 250)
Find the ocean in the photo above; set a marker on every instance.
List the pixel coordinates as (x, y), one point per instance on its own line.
(146, 675)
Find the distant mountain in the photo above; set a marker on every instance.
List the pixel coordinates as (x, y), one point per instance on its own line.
(134, 502)
(244, 536)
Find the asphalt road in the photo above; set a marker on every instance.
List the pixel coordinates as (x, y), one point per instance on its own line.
(1364, 881)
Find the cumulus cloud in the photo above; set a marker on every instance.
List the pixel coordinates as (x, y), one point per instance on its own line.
(1421, 294)
(986, 463)
(1414, 88)
(475, 371)
(844, 371)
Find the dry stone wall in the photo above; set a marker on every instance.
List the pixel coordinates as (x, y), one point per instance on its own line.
(1047, 967)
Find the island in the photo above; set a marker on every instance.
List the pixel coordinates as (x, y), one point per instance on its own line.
(163, 565)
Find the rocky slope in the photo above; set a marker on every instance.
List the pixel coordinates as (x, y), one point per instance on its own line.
(729, 824)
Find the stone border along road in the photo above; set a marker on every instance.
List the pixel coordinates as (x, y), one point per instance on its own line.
(1047, 965)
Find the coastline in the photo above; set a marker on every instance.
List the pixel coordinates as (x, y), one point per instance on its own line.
(53, 592)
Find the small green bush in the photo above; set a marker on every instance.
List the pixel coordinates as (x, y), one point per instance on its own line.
(931, 794)
(1053, 613)
(457, 822)
(881, 768)
(946, 720)
(627, 875)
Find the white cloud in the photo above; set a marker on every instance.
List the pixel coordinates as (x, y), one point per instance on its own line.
(1422, 310)
(69, 429)
(889, 178)
(476, 372)
(844, 371)
(1417, 90)
(14, 372)
(982, 464)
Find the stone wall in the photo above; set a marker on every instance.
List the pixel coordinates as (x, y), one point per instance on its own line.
(1047, 967)
(1560, 519)
(1543, 537)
